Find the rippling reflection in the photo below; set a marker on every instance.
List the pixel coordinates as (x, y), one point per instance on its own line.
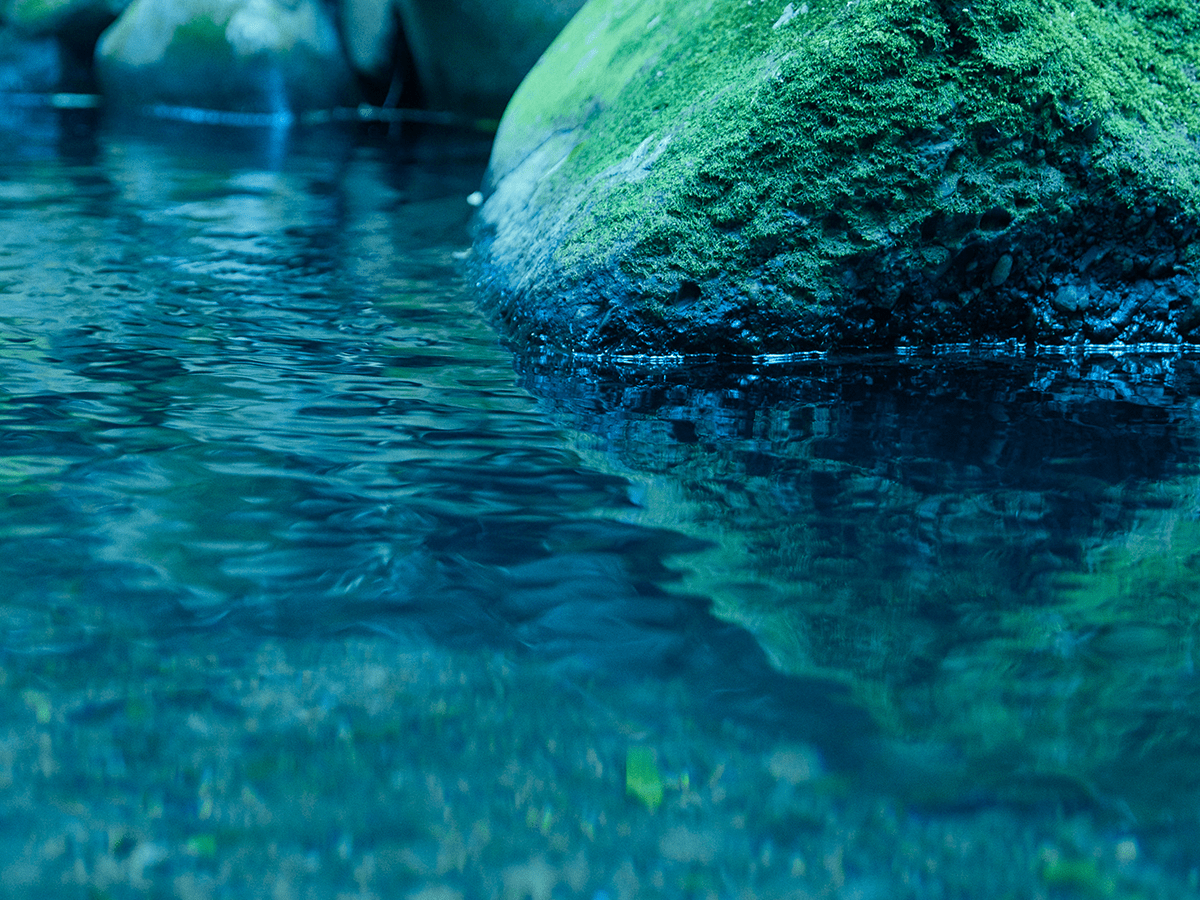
(249, 394)
(257, 389)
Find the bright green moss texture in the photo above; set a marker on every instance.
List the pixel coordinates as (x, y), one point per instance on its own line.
(763, 144)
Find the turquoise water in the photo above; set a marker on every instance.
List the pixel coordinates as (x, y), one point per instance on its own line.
(310, 585)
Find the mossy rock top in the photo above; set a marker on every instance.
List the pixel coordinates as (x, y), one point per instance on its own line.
(762, 177)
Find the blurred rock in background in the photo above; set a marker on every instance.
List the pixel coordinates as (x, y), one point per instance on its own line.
(69, 20)
(29, 65)
(258, 56)
(64, 29)
(375, 45)
(279, 56)
(470, 55)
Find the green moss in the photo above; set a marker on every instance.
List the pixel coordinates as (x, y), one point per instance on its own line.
(201, 39)
(642, 778)
(774, 141)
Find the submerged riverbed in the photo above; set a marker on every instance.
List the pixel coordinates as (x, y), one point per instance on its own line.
(312, 588)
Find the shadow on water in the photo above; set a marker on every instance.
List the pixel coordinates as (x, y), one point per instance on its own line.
(998, 558)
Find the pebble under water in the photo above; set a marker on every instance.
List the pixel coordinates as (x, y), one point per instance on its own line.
(310, 587)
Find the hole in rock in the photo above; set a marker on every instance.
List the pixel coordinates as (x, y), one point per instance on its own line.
(995, 219)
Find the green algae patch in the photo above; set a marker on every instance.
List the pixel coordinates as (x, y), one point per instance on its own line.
(752, 177)
(642, 778)
(1082, 877)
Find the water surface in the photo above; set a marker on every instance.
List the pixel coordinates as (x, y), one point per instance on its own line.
(307, 576)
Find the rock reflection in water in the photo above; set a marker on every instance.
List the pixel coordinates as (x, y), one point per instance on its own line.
(998, 556)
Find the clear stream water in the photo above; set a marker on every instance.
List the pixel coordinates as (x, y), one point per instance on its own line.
(309, 585)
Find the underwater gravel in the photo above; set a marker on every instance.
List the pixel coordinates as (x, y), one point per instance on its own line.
(367, 769)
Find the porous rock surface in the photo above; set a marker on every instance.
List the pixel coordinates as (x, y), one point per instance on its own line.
(767, 176)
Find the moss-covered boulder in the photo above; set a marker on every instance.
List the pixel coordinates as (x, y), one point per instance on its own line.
(766, 176)
(254, 56)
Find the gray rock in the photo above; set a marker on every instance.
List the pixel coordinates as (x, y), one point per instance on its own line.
(370, 29)
(73, 26)
(255, 56)
(470, 55)
(773, 176)
(59, 18)
(1071, 298)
